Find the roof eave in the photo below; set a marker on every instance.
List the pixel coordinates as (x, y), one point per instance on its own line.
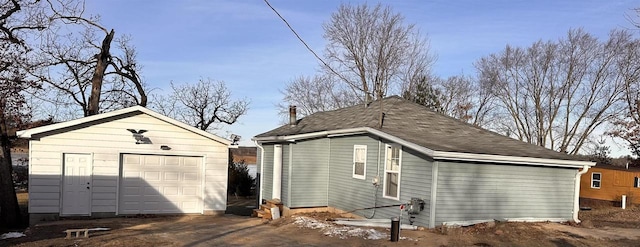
(512, 159)
(29, 133)
(436, 155)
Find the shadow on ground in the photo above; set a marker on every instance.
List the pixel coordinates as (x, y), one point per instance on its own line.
(242, 206)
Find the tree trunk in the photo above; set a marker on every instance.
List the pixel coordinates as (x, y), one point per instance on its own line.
(9, 209)
(98, 75)
(143, 95)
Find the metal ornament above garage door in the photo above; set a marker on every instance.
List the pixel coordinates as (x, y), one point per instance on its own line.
(156, 184)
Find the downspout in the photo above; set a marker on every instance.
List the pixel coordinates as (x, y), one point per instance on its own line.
(576, 199)
(261, 170)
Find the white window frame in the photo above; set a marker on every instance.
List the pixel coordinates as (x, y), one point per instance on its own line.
(599, 180)
(636, 180)
(353, 171)
(387, 152)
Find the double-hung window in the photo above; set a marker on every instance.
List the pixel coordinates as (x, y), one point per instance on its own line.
(393, 163)
(359, 161)
(596, 178)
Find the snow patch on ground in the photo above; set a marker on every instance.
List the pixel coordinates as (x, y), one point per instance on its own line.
(341, 232)
(344, 232)
(12, 235)
(307, 222)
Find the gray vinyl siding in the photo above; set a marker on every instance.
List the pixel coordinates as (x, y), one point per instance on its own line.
(415, 181)
(465, 191)
(285, 175)
(267, 176)
(345, 192)
(468, 191)
(348, 193)
(309, 173)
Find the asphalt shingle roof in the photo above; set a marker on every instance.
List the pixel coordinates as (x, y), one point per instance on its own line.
(420, 125)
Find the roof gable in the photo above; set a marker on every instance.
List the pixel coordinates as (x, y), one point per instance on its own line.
(419, 125)
(110, 116)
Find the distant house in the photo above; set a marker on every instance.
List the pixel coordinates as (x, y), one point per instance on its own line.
(449, 171)
(607, 182)
(125, 162)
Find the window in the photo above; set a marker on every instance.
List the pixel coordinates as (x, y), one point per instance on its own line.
(359, 161)
(636, 182)
(596, 177)
(393, 160)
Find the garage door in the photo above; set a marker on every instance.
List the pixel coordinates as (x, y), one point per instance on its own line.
(154, 184)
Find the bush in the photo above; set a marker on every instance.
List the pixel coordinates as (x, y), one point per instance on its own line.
(240, 182)
(20, 176)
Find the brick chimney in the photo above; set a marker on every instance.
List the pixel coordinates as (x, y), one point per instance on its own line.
(292, 115)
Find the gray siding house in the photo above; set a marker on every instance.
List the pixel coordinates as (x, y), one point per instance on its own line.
(457, 173)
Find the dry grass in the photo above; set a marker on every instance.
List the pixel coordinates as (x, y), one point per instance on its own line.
(609, 214)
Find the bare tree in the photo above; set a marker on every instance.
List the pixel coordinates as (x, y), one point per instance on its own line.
(102, 61)
(627, 126)
(555, 94)
(23, 24)
(202, 105)
(80, 68)
(634, 20)
(463, 97)
(13, 82)
(371, 49)
(125, 68)
(315, 94)
(17, 19)
(467, 99)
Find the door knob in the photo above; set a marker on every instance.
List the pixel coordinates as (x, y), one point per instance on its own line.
(87, 187)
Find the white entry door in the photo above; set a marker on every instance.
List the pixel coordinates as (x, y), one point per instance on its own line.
(76, 198)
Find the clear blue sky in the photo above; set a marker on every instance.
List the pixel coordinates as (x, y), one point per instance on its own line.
(246, 45)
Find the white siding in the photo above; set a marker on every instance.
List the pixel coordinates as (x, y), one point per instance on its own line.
(106, 140)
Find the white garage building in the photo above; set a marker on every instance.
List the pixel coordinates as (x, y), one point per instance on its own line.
(125, 162)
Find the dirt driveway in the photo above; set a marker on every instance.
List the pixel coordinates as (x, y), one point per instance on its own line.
(603, 226)
(230, 230)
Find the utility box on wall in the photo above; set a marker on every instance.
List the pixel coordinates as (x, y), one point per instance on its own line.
(416, 205)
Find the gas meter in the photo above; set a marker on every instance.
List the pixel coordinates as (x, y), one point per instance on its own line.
(415, 206)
